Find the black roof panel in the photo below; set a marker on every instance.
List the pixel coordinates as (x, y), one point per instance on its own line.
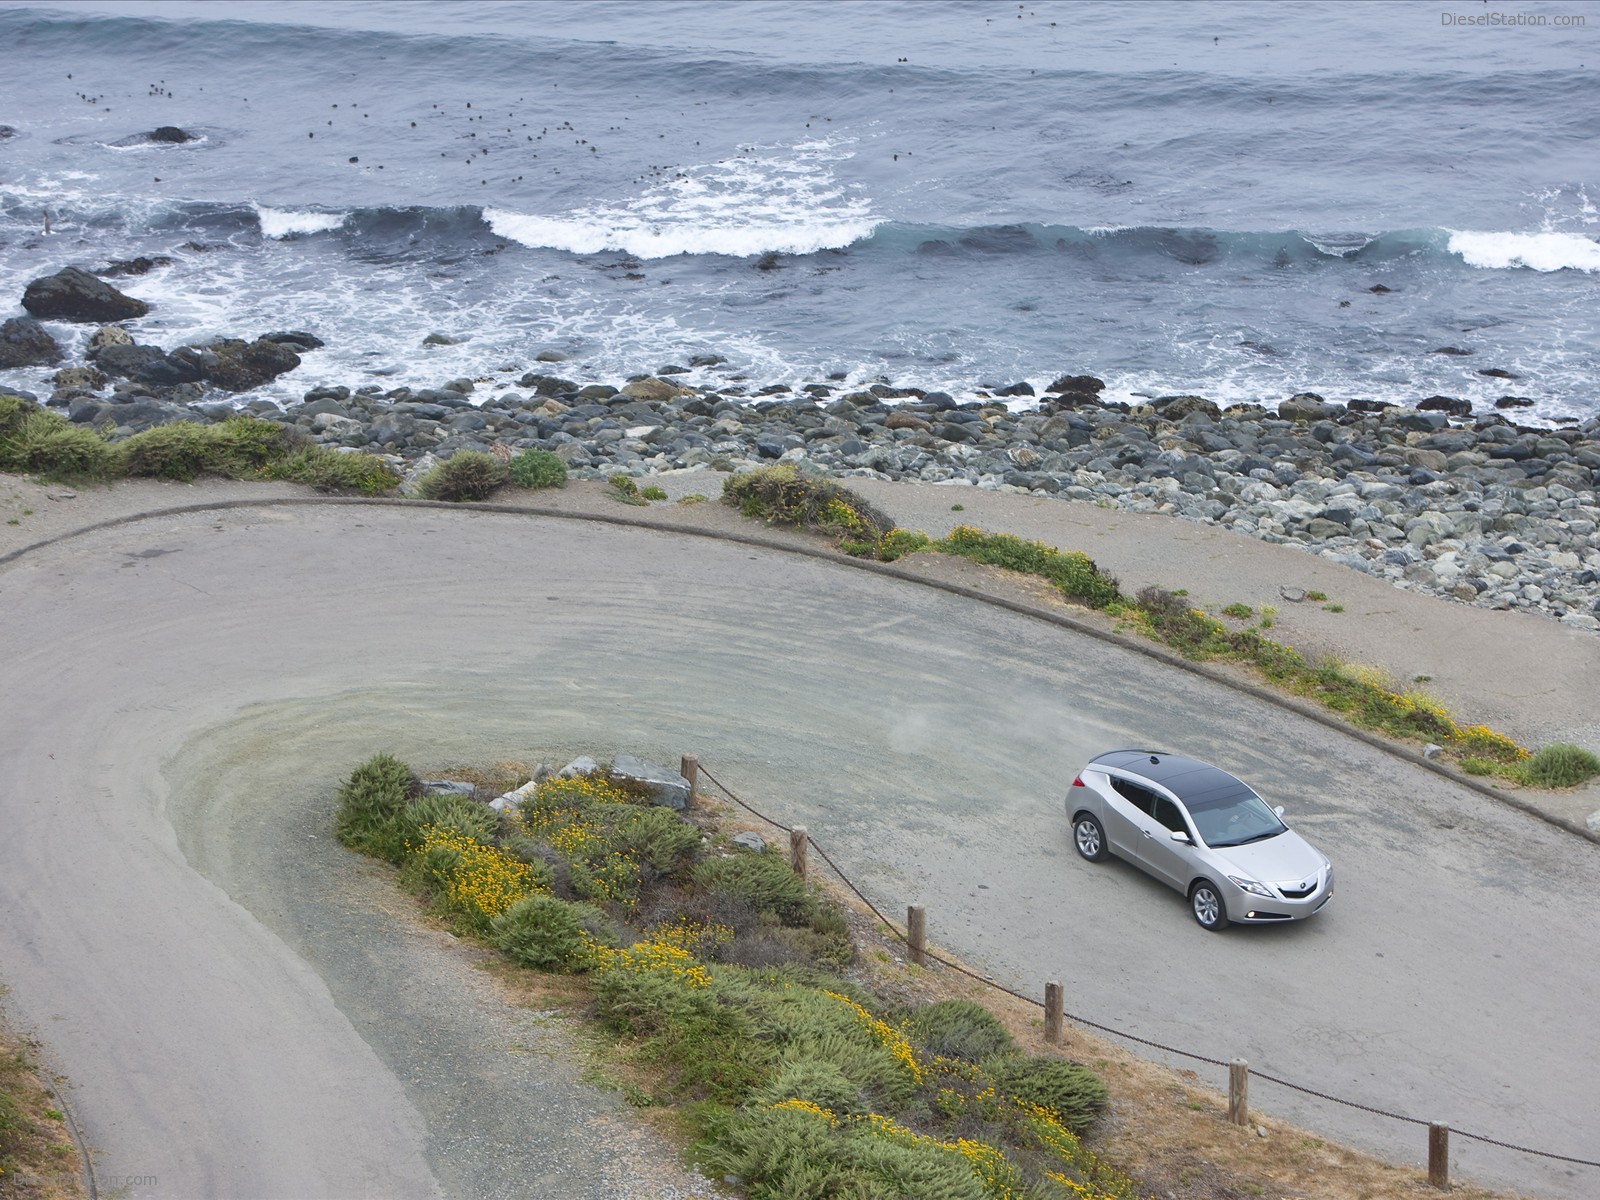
(1199, 785)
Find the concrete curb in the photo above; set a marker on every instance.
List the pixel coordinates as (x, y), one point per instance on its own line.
(888, 570)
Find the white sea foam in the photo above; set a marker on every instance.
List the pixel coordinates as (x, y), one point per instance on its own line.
(1338, 245)
(1535, 251)
(282, 223)
(782, 200)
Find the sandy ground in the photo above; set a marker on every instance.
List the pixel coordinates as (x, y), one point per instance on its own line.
(1522, 674)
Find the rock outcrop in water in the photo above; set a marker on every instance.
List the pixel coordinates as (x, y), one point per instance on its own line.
(75, 295)
(233, 364)
(26, 343)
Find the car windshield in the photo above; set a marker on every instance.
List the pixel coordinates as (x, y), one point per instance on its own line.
(1235, 819)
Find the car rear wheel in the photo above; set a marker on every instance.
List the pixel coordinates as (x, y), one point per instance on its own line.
(1089, 838)
(1206, 904)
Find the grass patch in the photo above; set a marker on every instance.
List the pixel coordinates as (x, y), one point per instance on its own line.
(721, 982)
(1073, 573)
(37, 1157)
(623, 488)
(42, 442)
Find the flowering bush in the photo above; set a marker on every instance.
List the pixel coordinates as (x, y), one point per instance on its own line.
(474, 882)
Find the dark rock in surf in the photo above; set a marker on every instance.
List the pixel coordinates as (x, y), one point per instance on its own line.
(74, 295)
(240, 365)
(26, 343)
(133, 266)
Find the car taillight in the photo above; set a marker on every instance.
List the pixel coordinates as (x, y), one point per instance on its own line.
(1078, 782)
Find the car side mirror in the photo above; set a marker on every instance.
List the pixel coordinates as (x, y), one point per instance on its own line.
(1179, 835)
(1279, 810)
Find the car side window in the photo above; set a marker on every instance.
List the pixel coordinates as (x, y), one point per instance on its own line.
(1135, 794)
(1167, 813)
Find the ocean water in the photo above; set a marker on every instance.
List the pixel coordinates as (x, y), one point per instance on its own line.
(1243, 201)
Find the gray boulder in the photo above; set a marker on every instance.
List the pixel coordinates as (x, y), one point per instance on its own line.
(240, 366)
(74, 295)
(26, 343)
(665, 787)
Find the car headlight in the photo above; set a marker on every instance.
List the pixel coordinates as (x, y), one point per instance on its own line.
(1251, 886)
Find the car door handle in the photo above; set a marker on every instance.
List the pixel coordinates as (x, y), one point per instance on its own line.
(1148, 834)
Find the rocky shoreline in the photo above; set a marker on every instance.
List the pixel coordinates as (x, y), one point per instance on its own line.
(1469, 506)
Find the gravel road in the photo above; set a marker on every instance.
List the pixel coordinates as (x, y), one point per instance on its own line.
(243, 1012)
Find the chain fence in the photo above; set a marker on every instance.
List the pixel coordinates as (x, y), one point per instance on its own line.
(895, 929)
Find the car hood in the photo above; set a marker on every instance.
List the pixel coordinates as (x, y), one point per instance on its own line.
(1286, 858)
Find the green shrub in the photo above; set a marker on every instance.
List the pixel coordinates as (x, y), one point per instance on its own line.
(538, 469)
(763, 881)
(465, 475)
(180, 450)
(653, 493)
(639, 1004)
(478, 821)
(605, 877)
(371, 802)
(549, 934)
(791, 1153)
(42, 442)
(958, 1029)
(781, 495)
(898, 543)
(245, 444)
(658, 837)
(1075, 1094)
(329, 470)
(12, 410)
(238, 447)
(817, 1082)
(1072, 572)
(1560, 765)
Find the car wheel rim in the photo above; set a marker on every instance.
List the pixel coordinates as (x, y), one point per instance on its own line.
(1088, 839)
(1206, 906)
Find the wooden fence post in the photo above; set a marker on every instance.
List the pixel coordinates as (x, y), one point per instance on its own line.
(1053, 1009)
(1239, 1092)
(798, 843)
(689, 768)
(1439, 1154)
(917, 933)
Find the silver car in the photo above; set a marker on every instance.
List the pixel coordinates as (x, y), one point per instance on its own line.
(1201, 831)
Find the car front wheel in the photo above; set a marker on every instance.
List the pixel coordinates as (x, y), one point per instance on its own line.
(1089, 838)
(1206, 904)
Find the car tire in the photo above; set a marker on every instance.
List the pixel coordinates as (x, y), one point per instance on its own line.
(1205, 902)
(1089, 838)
